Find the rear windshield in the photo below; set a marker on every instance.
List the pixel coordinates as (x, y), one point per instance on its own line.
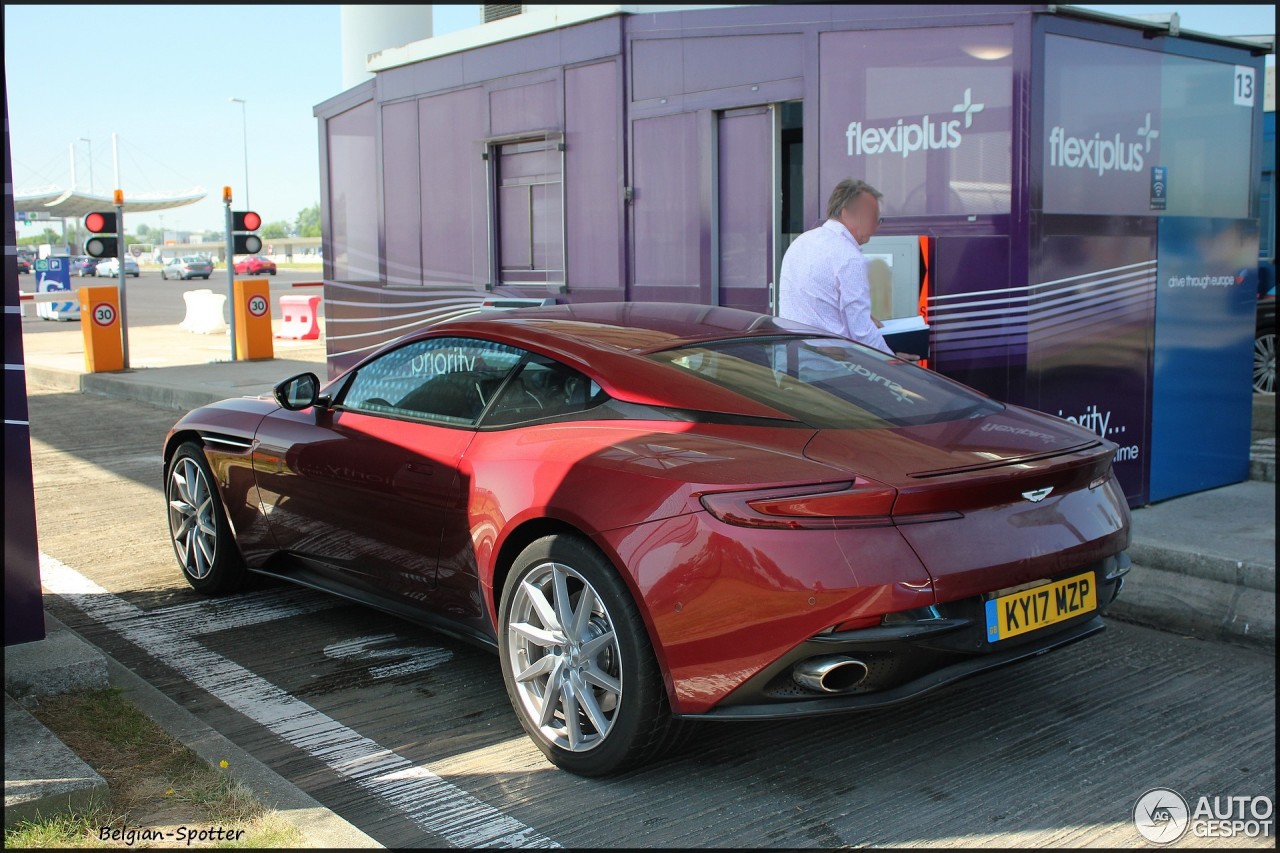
(830, 383)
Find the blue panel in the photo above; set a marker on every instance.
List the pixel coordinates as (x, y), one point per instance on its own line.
(1202, 395)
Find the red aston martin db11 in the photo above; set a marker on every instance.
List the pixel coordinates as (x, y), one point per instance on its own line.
(658, 512)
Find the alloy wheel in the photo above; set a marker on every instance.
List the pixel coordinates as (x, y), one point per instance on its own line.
(564, 658)
(192, 505)
(1264, 364)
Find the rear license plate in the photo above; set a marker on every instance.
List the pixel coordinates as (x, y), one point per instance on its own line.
(1041, 606)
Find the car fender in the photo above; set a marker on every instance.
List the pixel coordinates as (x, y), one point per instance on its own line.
(226, 430)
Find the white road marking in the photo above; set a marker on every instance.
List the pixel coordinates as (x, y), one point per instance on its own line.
(421, 658)
(432, 803)
(208, 615)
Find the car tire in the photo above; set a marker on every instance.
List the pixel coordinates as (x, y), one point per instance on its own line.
(1264, 363)
(202, 541)
(604, 656)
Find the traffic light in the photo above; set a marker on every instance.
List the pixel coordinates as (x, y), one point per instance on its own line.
(108, 244)
(246, 220)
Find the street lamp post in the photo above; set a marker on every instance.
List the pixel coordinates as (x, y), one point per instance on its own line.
(90, 144)
(244, 124)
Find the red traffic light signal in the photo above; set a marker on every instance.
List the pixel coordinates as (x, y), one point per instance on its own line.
(101, 222)
(245, 220)
(245, 244)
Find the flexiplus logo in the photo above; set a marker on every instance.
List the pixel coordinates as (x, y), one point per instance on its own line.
(928, 134)
(1101, 154)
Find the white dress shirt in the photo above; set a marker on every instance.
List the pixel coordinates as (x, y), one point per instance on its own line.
(824, 284)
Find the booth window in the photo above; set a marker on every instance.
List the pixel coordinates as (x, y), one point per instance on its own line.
(528, 212)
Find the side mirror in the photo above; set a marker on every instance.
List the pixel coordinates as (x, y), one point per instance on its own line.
(299, 392)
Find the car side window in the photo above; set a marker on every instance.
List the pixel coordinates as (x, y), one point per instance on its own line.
(544, 388)
(441, 379)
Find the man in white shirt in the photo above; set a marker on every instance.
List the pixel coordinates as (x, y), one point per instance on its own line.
(824, 273)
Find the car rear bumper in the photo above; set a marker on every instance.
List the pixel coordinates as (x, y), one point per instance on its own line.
(911, 655)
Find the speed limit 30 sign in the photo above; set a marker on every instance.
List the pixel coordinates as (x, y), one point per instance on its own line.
(104, 313)
(258, 306)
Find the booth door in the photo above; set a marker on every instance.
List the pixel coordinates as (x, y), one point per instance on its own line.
(748, 198)
(669, 210)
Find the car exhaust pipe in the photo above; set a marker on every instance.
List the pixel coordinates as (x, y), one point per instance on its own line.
(829, 674)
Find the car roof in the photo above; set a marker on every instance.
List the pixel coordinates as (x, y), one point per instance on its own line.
(631, 327)
(609, 341)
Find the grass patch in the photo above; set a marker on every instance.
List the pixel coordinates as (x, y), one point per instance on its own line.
(160, 789)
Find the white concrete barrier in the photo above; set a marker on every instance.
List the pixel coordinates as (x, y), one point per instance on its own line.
(59, 303)
(205, 312)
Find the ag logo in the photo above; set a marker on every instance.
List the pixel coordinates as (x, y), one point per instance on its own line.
(104, 313)
(1037, 495)
(257, 306)
(1161, 815)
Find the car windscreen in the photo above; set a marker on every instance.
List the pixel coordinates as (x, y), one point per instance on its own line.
(830, 383)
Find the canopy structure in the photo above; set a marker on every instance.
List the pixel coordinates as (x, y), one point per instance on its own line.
(55, 202)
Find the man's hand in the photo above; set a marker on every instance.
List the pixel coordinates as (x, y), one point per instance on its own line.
(909, 357)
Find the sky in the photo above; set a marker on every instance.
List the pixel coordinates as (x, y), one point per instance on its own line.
(161, 79)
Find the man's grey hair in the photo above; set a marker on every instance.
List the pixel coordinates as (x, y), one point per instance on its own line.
(845, 192)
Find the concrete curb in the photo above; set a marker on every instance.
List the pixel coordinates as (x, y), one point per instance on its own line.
(43, 776)
(1238, 573)
(1199, 607)
(1262, 460)
(60, 663)
(321, 827)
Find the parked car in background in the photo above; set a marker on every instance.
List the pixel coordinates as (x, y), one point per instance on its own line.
(23, 265)
(110, 268)
(82, 265)
(188, 266)
(654, 512)
(1264, 344)
(256, 265)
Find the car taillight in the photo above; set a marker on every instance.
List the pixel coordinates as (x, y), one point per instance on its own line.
(861, 503)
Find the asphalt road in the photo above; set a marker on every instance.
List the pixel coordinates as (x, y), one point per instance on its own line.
(409, 736)
(152, 301)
